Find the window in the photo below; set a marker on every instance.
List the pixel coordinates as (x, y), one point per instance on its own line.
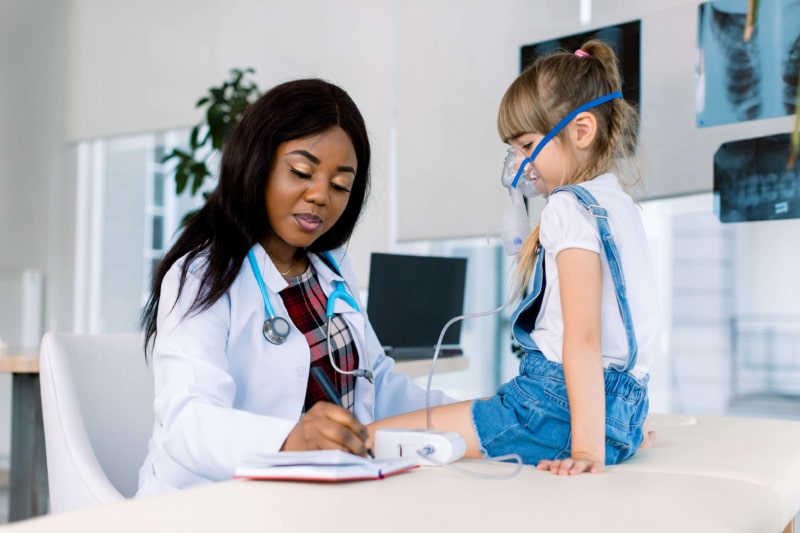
(128, 213)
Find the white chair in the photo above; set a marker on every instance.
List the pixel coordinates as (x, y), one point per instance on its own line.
(97, 409)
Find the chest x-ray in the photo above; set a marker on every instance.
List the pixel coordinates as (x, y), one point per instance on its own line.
(740, 78)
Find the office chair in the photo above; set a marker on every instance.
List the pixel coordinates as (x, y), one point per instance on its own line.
(97, 409)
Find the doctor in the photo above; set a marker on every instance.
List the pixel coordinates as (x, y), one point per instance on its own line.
(257, 289)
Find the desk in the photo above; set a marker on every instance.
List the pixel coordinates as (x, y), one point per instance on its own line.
(440, 500)
(701, 477)
(28, 494)
(421, 367)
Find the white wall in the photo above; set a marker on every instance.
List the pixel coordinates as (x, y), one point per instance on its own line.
(427, 74)
(768, 257)
(32, 109)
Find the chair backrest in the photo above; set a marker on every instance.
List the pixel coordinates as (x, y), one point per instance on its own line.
(97, 409)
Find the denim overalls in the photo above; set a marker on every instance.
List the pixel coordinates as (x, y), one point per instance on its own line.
(529, 415)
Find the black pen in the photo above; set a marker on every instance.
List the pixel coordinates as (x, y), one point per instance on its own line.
(322, 380)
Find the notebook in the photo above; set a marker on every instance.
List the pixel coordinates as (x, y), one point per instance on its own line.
(322, 465)
(410, 298)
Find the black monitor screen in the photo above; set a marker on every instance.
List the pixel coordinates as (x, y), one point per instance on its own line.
(625, 39)
(412, 297)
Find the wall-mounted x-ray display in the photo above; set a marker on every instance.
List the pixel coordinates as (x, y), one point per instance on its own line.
(751, 180)
(739, 78)
(625, 39)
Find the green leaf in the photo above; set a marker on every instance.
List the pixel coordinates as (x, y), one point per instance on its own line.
(237, 77)
(193, 137)
(199, 173)
(167, 157)
(181, 178)
(220, 135)
(225, 105)
(218, 93)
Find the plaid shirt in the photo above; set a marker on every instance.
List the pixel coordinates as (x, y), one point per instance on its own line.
(306, 304)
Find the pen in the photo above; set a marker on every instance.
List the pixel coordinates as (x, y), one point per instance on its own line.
(322, 380)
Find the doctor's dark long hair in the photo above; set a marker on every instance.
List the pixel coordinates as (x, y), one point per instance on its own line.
(234, 217)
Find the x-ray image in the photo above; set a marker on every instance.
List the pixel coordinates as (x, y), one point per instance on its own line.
(751, 181)
(625, 39)
(737, 79)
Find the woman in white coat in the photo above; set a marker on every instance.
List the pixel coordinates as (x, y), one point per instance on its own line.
(239, 310)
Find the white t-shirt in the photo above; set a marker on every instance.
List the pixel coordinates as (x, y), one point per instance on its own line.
(566, 224)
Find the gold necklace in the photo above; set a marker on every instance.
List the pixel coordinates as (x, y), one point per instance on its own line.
(294, 260)
(274, 262)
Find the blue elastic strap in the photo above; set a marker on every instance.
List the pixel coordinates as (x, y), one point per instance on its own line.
(558, 127)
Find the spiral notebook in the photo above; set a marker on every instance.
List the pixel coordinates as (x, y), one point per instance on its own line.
(322, 465)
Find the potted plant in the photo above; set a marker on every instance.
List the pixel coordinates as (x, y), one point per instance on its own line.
(225, 105)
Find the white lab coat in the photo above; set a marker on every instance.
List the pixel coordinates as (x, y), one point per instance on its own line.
(224, 395)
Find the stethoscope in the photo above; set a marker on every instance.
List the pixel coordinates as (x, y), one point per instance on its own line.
(276, 328)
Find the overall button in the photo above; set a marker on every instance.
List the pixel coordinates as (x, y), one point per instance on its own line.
(301, 372)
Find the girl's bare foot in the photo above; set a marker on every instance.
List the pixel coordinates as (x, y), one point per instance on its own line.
(649, 439)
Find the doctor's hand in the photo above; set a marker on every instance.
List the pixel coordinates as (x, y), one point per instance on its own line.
(328, 427)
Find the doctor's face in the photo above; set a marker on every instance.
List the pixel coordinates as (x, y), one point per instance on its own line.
(308, 189)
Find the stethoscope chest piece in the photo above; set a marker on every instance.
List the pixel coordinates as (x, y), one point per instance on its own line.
(276, 329)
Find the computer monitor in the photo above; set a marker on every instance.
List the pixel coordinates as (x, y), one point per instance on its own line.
(411, 297)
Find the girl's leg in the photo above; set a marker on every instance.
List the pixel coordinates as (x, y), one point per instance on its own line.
(455, 417)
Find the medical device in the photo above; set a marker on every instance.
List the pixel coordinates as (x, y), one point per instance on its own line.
(276, 328)
(436, 447)
(520, 178)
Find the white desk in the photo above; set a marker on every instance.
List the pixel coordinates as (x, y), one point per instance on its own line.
(434, 499)
(421, 367)
(705, 475)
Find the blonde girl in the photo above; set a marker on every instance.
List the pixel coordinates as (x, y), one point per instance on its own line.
(588, 320)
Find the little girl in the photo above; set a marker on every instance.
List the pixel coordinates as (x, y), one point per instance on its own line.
(588, 322)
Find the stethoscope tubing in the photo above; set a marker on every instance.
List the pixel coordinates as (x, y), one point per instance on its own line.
(276, 328)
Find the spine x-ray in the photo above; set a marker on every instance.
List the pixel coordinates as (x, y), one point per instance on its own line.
(751, 181)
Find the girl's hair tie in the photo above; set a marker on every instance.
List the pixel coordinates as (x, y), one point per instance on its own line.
(581, 53)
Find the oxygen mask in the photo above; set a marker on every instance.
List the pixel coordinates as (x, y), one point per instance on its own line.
(518, 173)
(518, 177)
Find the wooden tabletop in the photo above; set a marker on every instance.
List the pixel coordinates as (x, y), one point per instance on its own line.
(19, 361)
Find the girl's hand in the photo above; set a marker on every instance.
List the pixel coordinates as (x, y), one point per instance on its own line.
(328, 427)
(577, 464)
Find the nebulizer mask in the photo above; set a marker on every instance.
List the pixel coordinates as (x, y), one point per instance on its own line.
(519, 178)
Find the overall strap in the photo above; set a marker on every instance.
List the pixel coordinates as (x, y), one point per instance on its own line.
(615, 266)
(523, 318)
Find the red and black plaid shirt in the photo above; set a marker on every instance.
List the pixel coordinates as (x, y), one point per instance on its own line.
(306, 304)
